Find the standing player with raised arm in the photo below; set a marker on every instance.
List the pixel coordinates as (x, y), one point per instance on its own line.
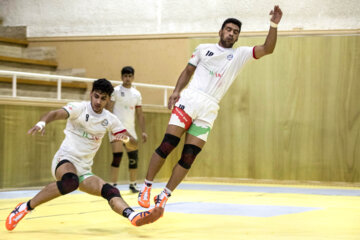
(87, 123)
(214, 66)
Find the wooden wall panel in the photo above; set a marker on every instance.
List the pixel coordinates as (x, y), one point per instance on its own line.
(294, 115)
(157, 61)
(26, 160)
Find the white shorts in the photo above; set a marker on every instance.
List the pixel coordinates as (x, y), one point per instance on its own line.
(196, 112)
(82, 170)
(130, 130)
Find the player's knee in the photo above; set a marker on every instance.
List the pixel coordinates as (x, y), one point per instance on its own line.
(108, 192)
(167, 145)
(116, 159)
(133, 159)
(188, 155)
(68, 183)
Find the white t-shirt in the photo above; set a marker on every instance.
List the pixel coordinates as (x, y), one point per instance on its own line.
(126, 100)
(84, 132)
(217, 68)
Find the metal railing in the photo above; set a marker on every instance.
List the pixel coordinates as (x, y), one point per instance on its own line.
(59, 79)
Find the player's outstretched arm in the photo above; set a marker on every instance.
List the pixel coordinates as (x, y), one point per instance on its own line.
(270, 42)
(59, 114)
(127, 139)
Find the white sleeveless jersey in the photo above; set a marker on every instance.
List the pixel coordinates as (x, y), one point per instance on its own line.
(84, 132)
(217, 68)
(126, 100)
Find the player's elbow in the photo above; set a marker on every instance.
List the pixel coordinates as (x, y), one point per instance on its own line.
(263, 50)
(269, 50)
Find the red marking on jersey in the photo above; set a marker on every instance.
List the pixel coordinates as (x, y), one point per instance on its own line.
(70, 107)
(192, 55)
(183, 117)
(122, 131)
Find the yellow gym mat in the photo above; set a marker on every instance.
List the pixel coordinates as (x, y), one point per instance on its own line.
(210, 211)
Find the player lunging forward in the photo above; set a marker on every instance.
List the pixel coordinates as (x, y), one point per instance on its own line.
(87, 122)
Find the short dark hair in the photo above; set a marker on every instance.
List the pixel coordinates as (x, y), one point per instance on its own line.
(127, 70)
(232, 20)
(103, 85)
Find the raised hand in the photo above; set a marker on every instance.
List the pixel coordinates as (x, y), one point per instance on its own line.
(39, 127)
(122, 137)
(276, 14)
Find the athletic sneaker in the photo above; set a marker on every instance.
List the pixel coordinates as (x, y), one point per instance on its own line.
(16, 215)
(161, 199)
(144, 196)
(147, 217)
(134, 188)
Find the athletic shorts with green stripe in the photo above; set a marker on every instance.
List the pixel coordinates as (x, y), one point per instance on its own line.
(83, 169)
(196, 112)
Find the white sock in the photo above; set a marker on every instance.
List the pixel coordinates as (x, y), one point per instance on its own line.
(147, 183)
(132, 215)
(167, 191)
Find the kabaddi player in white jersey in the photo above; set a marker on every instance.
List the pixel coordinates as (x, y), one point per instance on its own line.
(125, 103)
(87, 123)
(213, 67)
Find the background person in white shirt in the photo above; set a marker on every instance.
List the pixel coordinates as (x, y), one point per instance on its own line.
(214, 67)
(125, 103)
(87, 123)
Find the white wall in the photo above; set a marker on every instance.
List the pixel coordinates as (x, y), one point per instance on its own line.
(45, 18)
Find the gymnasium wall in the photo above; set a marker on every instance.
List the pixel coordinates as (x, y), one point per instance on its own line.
(128, 17)
(25, 160)
(293, 115)
(156, 59)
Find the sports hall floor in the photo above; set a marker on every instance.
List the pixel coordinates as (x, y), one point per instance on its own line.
(198, 210)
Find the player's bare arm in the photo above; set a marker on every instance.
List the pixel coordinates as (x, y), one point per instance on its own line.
(59, 114)
(270, 42)
(141, 119)
(181, 83)
(127, 139)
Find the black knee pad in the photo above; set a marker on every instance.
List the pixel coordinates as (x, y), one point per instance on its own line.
(116, 159)
(188, 155)
(167, 145)
(108, 192)
(133, 159)
(61, 163)
(68, 183)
